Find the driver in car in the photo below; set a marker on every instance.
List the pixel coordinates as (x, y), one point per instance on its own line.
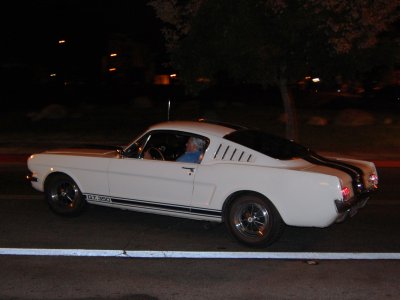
(194, 151)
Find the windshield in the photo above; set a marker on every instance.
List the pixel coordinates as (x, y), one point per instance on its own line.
(268, 144)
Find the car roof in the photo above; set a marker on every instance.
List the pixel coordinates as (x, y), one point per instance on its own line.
(199, 127)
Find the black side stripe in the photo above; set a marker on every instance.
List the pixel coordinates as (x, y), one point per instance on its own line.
(150, 205)
(161, 206)
(200, 211)
(177, 208)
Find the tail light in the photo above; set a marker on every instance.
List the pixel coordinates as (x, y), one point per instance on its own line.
(346, 193)
(373, 180)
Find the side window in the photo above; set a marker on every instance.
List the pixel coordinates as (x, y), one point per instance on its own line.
(159, 146)
(174, 146)
(194, 149)
(136, 149)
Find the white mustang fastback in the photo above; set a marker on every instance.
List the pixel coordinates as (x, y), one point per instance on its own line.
(253, 181)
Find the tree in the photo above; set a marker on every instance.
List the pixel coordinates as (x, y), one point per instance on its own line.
(272, 42)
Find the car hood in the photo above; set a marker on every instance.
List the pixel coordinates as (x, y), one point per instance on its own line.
(94, 152)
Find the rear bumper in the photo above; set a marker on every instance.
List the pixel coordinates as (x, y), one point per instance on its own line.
(350, 208)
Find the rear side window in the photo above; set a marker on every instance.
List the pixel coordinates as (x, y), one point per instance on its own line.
(265, 143)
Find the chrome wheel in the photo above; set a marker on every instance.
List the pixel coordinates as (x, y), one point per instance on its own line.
(253, 220)
(63, 195)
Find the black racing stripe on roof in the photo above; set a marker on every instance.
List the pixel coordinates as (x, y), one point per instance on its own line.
(354, 172)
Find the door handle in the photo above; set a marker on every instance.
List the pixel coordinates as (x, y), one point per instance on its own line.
(189, 168)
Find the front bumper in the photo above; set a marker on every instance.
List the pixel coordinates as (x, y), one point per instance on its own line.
(31, 178)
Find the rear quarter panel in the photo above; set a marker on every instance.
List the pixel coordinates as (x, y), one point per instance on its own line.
(302, 198)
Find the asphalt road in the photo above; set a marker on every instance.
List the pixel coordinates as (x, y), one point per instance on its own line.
(26, 222)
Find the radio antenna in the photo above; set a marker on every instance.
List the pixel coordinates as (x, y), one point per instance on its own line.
(169, 108)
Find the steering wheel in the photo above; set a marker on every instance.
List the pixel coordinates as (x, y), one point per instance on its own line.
(156, 153)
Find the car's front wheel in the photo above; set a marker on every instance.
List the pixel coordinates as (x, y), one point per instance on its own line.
(64, 196)
(254, 220)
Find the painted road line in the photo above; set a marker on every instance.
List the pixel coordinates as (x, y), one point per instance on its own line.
(202, 254)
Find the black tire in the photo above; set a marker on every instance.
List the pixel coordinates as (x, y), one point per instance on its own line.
(253, 220)
(64, 196)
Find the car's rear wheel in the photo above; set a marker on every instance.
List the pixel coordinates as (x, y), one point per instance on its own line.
(64, 196)
(254, 220)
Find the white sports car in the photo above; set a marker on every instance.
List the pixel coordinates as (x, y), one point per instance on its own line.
(253, 181)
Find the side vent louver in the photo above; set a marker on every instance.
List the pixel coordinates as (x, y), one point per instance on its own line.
(230, 153)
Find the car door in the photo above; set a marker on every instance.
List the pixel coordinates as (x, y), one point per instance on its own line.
(158, 183)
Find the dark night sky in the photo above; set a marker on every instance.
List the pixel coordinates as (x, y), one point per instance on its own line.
(28, 29)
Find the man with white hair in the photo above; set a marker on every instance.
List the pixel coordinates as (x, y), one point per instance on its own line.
(194, 150)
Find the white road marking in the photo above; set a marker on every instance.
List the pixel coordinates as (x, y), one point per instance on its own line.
(198, 254)
(202, 255)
